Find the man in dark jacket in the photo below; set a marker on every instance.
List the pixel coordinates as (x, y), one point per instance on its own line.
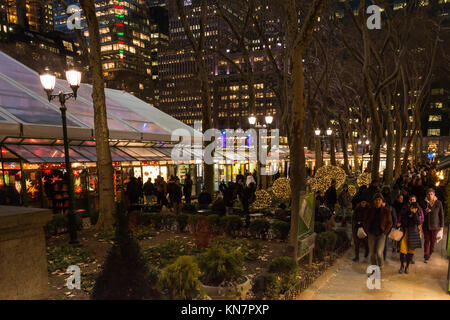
(371, 191)
(331, 195)
(377, 224)
(358, 219)
(433, 222)
(187, 189)
(176, 196)
(204, 199)
(149, 190)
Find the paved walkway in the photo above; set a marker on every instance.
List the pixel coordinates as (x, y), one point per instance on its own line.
(346, 280)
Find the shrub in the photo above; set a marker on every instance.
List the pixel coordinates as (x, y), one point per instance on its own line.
(189, 208)
(281, 229)
(342, 239)
(214, 223)
(146, 219)
(182, 222)
(179, 280)
(266, 285)
(169, 220)
(125, 273)
(325, 242)
(259, 228)
(60, 223)
(218, 265)
(157, 220)
(232, 224)
(199, 226)
(286, 268)
(144, 232)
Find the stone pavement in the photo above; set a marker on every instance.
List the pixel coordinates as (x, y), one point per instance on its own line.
(346, 280)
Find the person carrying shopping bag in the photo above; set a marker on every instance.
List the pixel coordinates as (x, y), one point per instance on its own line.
(409, 222)
(377, 224)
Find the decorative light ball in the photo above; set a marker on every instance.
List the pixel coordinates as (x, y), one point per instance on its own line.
(324, 175)
(364, 179)
(263, 200)
(282, 189)
(352, 189)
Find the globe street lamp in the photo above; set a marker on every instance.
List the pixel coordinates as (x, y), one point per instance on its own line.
(48, 82)
(253, 121)
(318, 132)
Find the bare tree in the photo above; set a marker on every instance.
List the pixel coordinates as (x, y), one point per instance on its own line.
(199, 51)
(101, 131)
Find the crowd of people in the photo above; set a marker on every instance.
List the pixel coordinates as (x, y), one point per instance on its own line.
(411, 208)
(171, 194)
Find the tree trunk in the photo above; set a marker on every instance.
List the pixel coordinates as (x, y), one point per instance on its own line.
(332, 150)
(345, 152)
(318, 152)
(389, 148)
(398, 145)
(104, 162)
(406, 154)
(376, 156)
(296, 145)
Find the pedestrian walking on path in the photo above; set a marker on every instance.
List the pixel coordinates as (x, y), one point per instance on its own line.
(409, 222)
(433, 222)
(377, 224)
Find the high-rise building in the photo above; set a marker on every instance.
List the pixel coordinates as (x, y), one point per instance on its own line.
(180, 93)
(128, 38)
(31, 15)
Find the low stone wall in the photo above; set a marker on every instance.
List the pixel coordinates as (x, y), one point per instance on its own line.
(23, 262)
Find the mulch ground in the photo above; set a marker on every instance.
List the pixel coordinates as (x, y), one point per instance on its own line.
(98, 245)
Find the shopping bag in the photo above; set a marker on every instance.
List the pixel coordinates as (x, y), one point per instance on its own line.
(439, 236)
(396, 235)
(361, 233)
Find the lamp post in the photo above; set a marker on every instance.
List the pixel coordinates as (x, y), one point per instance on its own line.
(365, 144)
(318, 132)
(253, 121)
(48, 82)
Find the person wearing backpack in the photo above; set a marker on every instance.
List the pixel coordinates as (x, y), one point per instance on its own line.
(359, 214)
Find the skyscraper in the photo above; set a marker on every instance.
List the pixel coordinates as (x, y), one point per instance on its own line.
(128, 37)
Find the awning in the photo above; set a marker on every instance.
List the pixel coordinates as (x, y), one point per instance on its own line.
(53, 154)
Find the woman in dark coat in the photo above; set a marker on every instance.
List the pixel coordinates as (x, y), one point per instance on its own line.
(409, 224)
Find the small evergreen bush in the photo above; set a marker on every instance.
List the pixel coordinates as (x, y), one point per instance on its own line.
(179, 280)
(286, 268)
(157, 219)
(281, 229)
(266, 285)
(342, 239)
(214, 223)
(125, 274)
(182, 222)
(232, 224)
(259, 228)
(169, 220)
(219, 266)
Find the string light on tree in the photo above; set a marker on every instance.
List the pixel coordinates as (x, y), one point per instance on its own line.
(364, 179)
(324, 175)
(263, 200)
(282, 189)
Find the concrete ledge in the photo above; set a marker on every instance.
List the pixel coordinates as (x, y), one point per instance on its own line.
(23, 261)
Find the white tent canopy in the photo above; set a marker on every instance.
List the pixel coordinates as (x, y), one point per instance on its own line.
(26, 112)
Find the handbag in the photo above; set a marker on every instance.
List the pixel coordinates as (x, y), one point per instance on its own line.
(361, 233)
(439, 236)
(396, 234)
